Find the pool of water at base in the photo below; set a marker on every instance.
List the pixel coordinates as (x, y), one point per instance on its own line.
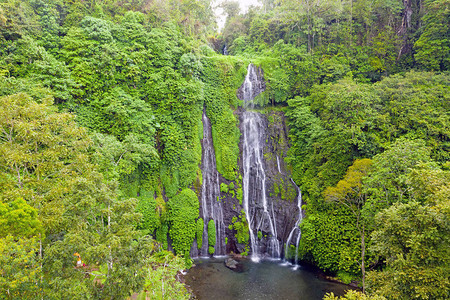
(211, 279)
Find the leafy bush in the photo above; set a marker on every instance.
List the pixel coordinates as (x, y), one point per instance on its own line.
(211, 233)
(183, 211)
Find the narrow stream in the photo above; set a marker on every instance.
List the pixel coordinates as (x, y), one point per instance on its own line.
(210, 279)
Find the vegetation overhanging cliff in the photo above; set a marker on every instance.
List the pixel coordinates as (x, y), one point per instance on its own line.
(101, 116)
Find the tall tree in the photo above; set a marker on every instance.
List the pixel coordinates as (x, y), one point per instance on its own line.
(433, 46)
(414, 241)
(46, 159)
(349, 192)
(309, 16)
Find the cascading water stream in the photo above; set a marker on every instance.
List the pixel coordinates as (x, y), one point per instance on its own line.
(295, 229)
(210, 202)
(278, 164)
(261, 221)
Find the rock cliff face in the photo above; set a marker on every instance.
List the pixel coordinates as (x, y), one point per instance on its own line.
(260, 209)
(278, 215)
(210, 203)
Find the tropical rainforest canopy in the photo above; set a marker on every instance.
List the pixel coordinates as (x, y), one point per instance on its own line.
(101, 106)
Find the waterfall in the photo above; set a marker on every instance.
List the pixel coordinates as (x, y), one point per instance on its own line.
(210, 200)
(296, 228)
(278, 164)
(253, 85)
(261, 220)
(225, 50)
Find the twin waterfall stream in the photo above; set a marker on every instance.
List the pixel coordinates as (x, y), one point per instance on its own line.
(267, 239)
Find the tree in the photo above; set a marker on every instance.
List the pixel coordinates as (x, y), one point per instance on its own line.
(19, 268)
(352, 295)
(42, 152)
(161, 282)
(17, 19)
(414, 241)
(430, 184)
(387, 181)
(230, 8)
(309, 16)
(433, 46)
(47, 159)
(349, 192)
(19, 219)
(184, 210)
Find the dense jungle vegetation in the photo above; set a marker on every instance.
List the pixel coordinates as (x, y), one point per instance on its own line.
(101, 107)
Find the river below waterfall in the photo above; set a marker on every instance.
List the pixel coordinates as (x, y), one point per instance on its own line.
(210, 279)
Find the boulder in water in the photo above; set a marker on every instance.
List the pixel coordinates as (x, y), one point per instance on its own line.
(231, 263)
(234, 265)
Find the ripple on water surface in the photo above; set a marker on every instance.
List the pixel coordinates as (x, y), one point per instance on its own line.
(210, 279)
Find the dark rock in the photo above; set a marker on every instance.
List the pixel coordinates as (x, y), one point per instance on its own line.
(234, 265)
(240, 248)
(231, 263)
(281, 193)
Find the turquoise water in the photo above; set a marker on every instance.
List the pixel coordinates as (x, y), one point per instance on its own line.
(210, 279)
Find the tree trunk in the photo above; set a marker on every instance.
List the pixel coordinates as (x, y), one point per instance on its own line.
(351, 23)
(363, 253)
(309, 32)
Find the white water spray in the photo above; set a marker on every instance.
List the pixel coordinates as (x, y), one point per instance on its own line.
(296, 229)
(211, 205)
(261, 221)
(278, 164)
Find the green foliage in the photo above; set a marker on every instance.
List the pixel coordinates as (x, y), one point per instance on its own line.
(276, 189)
(17, 218)
(291, 251)
(387, 182)
(239, 194)
(160, 281)
(433, 46)
(349, 120)
(222, 77)
(199, 232)
(417, 106)
(150, 220)
(118, 160)
(161, 235)
(138, 75)
(240, 225)
(211, 233)
(353, 295)
(20, 267)
(344, 277)
(224, 188)
(349, 190)
(40, 68)
(29, 171)
(340, 122)
(413, 239)
(430, 185)
(17, 19)
(46, 159)
(183, 211)
(330, 240)
(141, 80)
(325, 142)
